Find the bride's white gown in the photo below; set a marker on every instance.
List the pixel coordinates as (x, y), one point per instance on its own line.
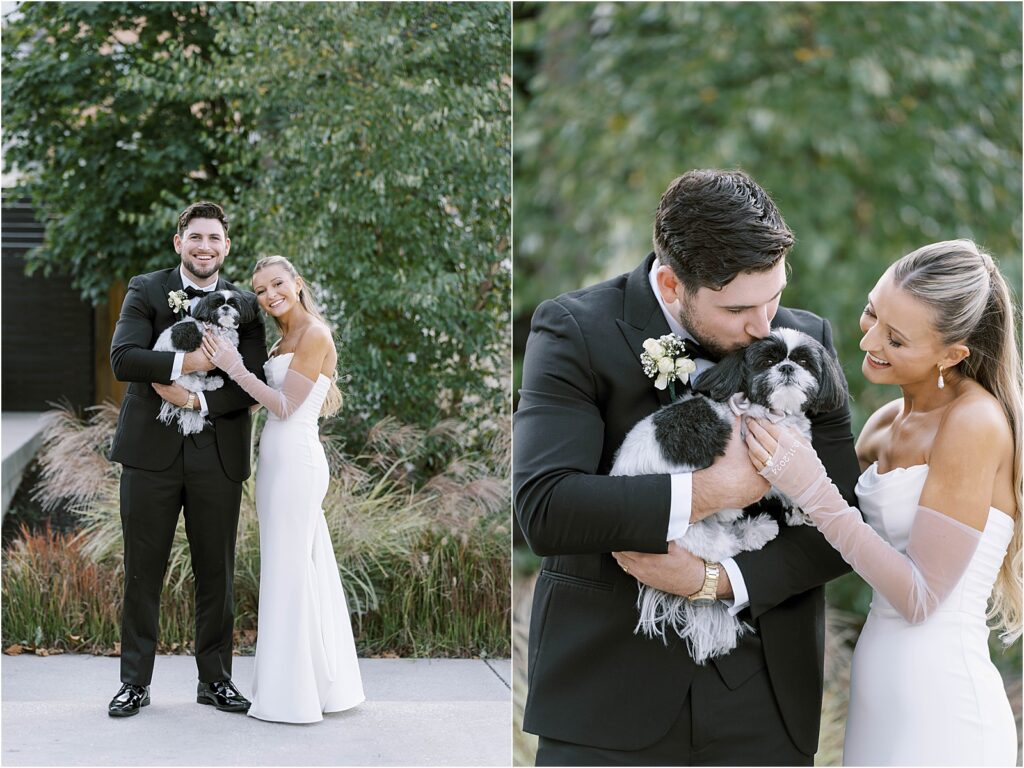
(305, 654)
(928, 694)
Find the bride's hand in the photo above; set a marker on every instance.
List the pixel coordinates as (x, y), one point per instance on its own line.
(220, 354)
(210, 345)
(783, 457)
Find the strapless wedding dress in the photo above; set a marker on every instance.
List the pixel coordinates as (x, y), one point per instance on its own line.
(305, 655)
(928, 694)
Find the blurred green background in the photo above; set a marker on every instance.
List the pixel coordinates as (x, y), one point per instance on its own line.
(875, 127)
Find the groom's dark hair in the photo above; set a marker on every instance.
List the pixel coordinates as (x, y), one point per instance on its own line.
(712, 225)
(202, 209)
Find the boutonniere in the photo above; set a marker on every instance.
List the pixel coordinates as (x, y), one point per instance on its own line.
(664, 360)
(178, 301)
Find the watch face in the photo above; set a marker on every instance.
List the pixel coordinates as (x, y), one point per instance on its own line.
(703, 601)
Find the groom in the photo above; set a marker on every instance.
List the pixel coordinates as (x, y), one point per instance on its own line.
(599, 693)
(164, 473)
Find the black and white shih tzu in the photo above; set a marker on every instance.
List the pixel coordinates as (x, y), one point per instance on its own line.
(782, 378)
(221, 312)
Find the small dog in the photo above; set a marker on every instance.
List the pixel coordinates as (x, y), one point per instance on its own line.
(781, 377)
(219, 311)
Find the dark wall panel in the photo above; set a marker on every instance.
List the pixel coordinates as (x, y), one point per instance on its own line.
(46, 329)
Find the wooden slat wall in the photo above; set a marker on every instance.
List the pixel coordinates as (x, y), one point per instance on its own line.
(107, 387)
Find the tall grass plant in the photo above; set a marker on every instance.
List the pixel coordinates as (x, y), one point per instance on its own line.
(418, 519)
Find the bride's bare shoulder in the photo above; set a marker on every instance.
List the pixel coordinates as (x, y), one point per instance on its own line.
(873, 435)
(976, 416)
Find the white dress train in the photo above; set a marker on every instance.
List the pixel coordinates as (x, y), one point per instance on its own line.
(305, 654)
(928, 693)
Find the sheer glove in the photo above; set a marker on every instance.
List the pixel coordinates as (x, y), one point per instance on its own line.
(281, 402)
(938, 551)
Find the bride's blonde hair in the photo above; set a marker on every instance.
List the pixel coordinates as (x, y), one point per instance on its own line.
(972, 304)
(333, 401)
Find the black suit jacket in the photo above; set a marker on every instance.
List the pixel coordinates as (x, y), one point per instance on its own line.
(592, 680)
(140, 440)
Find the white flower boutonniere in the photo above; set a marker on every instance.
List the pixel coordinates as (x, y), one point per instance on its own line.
(178, 301)
(664, 360)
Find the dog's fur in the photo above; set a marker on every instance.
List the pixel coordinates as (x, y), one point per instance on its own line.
(221, 312)
(783, 377)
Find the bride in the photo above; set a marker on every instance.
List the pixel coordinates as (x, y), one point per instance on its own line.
(940, 496)
(305, 654)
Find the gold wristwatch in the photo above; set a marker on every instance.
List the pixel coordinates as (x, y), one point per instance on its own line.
(191, 401)
(708, 592)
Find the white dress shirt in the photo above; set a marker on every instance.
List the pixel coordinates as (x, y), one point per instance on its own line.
(179, 357)
(682, 484)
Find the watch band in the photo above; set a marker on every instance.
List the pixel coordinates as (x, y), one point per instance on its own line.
(190, 403)
(708, 591)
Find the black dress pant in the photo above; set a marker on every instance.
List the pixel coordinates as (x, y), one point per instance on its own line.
(150, 504)
(715, 726)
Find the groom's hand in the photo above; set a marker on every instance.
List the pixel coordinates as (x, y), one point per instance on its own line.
(175, 394)
(678, 572)
(196, 361)
(730, 483)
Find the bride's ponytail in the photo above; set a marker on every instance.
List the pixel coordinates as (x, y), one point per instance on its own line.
(972, 304)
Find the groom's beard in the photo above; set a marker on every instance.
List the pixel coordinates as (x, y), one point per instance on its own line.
(690, 320)
(203, 270)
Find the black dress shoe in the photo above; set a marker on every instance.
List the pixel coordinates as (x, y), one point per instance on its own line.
(128, 700)
(223, 695)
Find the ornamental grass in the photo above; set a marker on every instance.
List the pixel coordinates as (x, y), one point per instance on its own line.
(419, 521)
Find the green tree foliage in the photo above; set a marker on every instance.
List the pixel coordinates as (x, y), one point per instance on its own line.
(366, 142)
(876, 127)
(100, 122)
(386, 174)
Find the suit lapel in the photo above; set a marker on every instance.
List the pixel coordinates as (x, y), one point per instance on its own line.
(172, 282)
(165, 316)
(642, 318)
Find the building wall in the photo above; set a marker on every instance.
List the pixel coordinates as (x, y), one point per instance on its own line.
(46, 329)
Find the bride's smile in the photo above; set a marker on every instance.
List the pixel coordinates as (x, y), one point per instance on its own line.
(277, 291)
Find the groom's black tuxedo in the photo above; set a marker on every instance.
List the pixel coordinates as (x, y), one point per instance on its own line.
(164, 473)
(592, 680)
(142, 441)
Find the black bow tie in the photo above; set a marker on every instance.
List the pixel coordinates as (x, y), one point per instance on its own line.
(194, 293)
(696, 351)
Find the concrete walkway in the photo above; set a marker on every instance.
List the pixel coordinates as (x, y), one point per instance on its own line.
(418, 712)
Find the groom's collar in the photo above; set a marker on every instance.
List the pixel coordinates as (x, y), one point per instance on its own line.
(640, 307)
(186, 283)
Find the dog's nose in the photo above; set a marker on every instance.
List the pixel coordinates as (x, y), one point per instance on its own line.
(786, 368)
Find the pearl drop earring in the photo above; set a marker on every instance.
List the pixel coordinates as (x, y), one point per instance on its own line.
(942, 382)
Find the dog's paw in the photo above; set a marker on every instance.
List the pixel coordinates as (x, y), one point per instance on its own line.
(754, 532)
(797, 516)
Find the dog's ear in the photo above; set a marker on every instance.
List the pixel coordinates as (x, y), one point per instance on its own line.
(832, 389)
(247, 309)
(724, 380)
(202, 309)
(186, 335)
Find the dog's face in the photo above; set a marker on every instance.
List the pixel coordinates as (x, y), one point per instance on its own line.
(787, 371)
(224, 308)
